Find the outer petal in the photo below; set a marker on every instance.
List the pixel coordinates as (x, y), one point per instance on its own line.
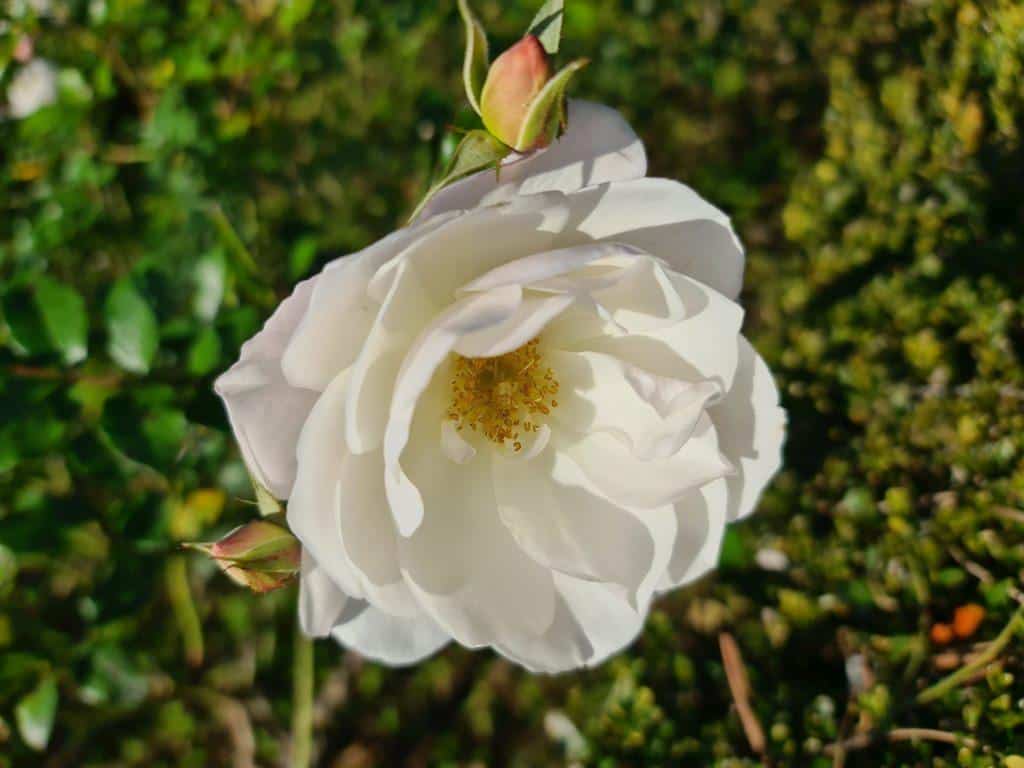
(752, 429)
(265, 411)
(320, 600)
(599, 146)
(700, 519)
(668, 220)
(388, 639)
(341, 311)
(593, 620)
(339, 512)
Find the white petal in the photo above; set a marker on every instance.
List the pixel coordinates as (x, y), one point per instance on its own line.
(341, 311)
(599, 146)
(464, 567)
(667, 220)
(320, 600)
(475, 313)
(265, 411)
(701, 346)
(481, 240)
(535, 268)
(700, 520)
(604, 617)
(752, 429)
(556, 517)
(652, 415)
(634, 483)
(339, 513)
(594, 620)
(533, 314)
(403, 313)
(454, 445)
(390, 640)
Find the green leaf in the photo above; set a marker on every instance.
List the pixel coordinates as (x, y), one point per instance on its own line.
(474, 66)
(35, 714)
(477, 150)
(132, 328)
(204, 352)
(547, 25)
(64, 317)
(292, 12)
(547, 110)
(27, 333)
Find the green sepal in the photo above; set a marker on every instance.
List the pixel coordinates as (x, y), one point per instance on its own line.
(547, 113)
(265, 500)
(547, 25)
(477, 150)
(474, 66)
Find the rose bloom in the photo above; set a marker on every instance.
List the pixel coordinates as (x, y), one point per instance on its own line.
(514, 422)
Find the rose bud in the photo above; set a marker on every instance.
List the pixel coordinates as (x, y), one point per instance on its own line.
(513, 81)
(258, 555)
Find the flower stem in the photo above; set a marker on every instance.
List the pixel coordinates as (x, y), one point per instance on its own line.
(180, 594)
(985, 658)
(302, 700)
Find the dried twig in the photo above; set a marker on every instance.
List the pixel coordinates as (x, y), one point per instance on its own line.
(862, 740)
(739, 686)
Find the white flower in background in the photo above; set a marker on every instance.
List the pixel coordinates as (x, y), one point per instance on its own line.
(33, 87)
(515, 421)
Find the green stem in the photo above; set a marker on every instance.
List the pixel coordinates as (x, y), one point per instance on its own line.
(985, 658)
(302, 700)
(180, 594)
(250, 273)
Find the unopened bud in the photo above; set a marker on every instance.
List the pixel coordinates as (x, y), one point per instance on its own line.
(258, 555)
(513, 81)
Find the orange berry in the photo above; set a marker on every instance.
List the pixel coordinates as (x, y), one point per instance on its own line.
(941, 634)
(967, 619)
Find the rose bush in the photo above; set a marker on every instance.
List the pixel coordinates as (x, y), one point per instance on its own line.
(515, 421)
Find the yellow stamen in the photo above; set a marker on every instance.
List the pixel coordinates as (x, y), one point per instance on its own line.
(502, 396)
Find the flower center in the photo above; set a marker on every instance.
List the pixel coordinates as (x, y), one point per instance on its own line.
(502, 397)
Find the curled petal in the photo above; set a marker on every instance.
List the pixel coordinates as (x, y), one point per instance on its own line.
(392, 640)
(670, 221)
(266, 412)
(652, 415)
(339, 512)
(320, 600)
(632, 482)
(752, 430)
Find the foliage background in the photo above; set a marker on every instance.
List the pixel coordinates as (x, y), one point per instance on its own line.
(204, 155)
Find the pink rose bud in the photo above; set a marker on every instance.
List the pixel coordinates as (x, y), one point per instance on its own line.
(258, 555)
(513, 81)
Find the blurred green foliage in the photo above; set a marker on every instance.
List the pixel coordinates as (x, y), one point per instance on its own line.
(204, 155)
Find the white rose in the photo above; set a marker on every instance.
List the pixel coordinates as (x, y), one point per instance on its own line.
(33, 87)
(515, 421)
